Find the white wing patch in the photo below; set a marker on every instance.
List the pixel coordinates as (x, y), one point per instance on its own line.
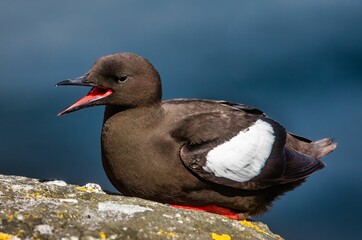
(242, 157)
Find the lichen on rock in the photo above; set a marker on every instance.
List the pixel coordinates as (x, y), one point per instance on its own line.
(31, 209)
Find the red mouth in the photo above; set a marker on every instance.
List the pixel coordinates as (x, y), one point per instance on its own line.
(96, 93)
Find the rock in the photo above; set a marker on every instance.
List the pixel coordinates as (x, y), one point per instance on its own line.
(31, 209)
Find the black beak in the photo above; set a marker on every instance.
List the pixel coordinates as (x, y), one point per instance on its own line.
(79, 81)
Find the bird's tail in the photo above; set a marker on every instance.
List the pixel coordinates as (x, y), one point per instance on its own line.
(316, 149)
(323, 147)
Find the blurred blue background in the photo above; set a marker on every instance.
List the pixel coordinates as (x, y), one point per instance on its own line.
(299, 61)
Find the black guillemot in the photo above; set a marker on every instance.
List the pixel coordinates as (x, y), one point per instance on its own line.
(215, 156)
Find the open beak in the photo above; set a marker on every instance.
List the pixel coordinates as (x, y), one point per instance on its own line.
(95, 94)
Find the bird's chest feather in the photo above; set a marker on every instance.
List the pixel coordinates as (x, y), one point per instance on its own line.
(137, 161)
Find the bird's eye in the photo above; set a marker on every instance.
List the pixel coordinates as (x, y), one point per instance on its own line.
(121, 79)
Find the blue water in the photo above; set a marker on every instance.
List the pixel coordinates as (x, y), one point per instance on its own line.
(301, 62)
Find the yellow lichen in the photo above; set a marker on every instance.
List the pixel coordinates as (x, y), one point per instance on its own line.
(4, 236)
(36, 195)
(29, 216)
(35, 236)
(19, 233)
(170, 234)
(102, 235)
(85, 189)
(216, 236)
(10, 216)
(253, 226)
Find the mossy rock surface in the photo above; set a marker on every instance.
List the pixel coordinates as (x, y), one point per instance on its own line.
(30, 209)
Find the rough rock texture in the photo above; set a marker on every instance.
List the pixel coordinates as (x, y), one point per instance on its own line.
(30, 209)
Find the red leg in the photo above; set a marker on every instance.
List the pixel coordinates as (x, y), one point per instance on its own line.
(211, 209)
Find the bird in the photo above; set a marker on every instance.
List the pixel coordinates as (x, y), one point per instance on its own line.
(208, 155)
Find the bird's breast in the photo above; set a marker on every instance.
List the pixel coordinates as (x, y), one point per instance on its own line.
(142, 162)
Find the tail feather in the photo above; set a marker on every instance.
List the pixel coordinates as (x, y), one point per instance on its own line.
(316, 149)
(323, 147)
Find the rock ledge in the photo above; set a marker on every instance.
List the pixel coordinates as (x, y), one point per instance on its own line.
(31, 209)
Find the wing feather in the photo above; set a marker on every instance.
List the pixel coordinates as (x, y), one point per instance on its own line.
(245, 162)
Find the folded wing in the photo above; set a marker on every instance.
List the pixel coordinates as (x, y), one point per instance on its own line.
(242, 148)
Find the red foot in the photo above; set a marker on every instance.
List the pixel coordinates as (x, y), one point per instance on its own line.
(211, 209)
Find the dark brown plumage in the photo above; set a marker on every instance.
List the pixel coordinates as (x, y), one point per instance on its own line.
(190, 151)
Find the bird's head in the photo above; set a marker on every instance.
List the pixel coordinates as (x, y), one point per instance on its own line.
(122, 79)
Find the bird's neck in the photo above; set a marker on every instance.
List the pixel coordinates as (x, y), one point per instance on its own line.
(125, 136)
(147, 115)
